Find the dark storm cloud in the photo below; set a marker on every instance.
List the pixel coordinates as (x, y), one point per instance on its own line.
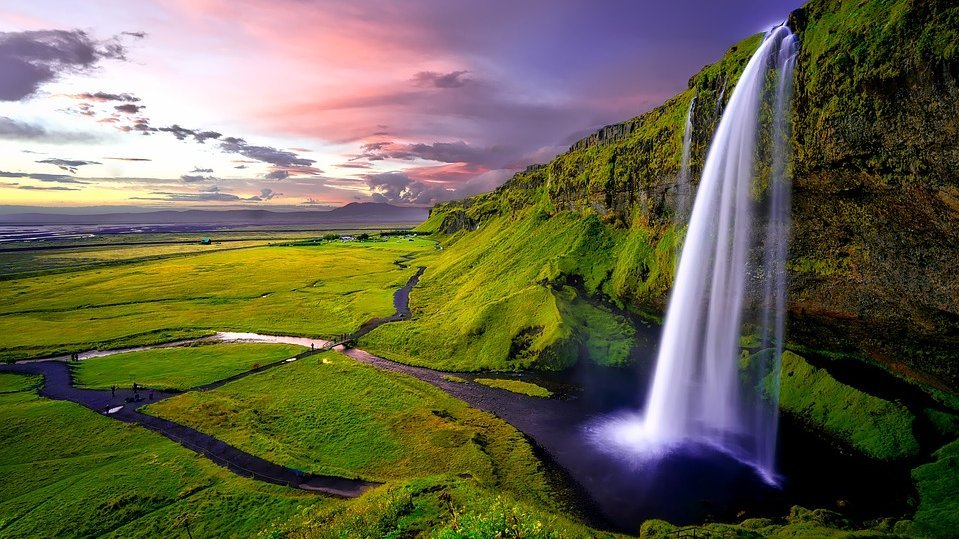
(454, 79)
(11, 129)
(181, 133)
(33, 58)
(443, 152)
(194, 178)
(277, 175)
(203, 136)
(397, 187)
(103, 97)
(266, 154)
(129, 108)
(70, 165)
(56, 188)
(265, 194)
(55, 178)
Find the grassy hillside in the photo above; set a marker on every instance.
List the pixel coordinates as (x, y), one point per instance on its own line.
(516, 294)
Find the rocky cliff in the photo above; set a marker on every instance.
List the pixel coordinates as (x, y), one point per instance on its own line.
(875, 237)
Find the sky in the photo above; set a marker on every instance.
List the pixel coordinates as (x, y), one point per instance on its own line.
(282, 104)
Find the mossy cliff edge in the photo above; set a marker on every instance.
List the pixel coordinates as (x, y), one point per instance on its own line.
(875, 237)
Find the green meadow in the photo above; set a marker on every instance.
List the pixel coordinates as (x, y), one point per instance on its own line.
(339, 417)
(178, 368)
(517, 294)
(66, 471)
(317, 290)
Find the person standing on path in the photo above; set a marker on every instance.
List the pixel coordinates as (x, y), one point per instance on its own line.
(150, 394)
(113, 390)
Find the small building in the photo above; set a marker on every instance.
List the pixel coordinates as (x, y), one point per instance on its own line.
(347, 238)
(205, 241)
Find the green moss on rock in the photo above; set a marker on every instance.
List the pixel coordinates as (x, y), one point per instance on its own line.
(878, 428)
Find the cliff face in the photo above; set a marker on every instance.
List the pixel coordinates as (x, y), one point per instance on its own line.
(875, 240)
(876, 219)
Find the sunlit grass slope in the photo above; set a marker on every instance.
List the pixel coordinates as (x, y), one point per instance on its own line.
(511, 295)
(178, 368)
(11, 383)
(320, 290)
(878, 428)
(328, 414)
(66, 471)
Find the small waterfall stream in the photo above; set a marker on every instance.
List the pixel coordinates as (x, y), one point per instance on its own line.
(700, 393)
(683, 187)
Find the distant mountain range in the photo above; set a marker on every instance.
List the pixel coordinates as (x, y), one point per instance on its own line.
(354, 213)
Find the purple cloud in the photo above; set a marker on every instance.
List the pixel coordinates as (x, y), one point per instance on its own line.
(453, 79)
(31, 59)
(70, 165)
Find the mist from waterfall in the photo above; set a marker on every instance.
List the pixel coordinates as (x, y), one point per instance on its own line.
(703, 391)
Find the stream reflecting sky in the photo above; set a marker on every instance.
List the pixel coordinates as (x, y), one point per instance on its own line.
(298, 103)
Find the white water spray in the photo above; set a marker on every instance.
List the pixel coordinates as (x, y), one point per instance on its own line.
(699, 394)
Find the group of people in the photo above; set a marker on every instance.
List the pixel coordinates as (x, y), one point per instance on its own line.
(136, 392)
(74, 357)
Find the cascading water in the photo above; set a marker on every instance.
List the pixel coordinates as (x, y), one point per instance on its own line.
(682, 182)
(699, 393)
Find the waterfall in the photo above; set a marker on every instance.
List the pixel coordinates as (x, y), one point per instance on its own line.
(683, 188)
(772, 326)
(700, 393)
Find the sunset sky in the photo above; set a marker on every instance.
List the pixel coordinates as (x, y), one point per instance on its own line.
(300, 103)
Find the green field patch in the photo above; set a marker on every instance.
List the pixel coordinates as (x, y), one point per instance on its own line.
(878, 428)
(12, 383)
(234, 292)
(938, 483)
(66, 471)
(516, 386)
(330, 415)
(512, 295)
(179, 368)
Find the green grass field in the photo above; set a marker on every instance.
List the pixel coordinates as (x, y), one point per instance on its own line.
(878, 428)
(499, 297)
(178, 368)
(66, 471)
(311, 290)
(327, 414)
(516, 386)
(11, 383)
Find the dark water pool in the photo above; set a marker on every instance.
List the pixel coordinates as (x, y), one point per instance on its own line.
(691, 484)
